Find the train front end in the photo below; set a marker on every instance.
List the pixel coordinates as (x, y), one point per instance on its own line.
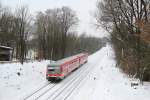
(53, 72)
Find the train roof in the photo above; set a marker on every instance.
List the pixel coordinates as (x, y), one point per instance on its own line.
(59, 62)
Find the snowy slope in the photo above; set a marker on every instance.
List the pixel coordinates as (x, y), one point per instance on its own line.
(104, 82)
(107, 82)
(13, 85)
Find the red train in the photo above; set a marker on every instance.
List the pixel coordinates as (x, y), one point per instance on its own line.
(61, 68)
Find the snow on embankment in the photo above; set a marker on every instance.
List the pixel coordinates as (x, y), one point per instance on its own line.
(104, 82)
(107, 82)
(16, 80)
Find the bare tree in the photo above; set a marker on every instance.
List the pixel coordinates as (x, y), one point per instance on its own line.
(52, 28)
(7, 35)
(119, 17)
(41, 33)
(22, 22)
(68, 20)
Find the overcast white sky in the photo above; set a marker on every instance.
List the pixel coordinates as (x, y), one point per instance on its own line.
(83, 8)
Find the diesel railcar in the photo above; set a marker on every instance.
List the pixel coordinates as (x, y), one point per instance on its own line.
(61, 68)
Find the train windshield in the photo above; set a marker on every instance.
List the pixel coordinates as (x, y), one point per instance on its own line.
(53, 69)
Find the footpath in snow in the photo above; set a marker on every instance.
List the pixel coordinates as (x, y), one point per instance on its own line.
(107, 82)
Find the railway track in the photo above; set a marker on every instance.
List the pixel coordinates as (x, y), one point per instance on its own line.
(66, 82)
(64, 92)
(75, 87)
(39, 93)
(64, 89)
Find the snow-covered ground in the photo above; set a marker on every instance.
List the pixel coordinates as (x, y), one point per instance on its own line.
(17, 80)
(107, 82)
(104, 82)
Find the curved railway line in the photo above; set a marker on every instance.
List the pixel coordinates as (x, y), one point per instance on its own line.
(64, 92)
(64, 89)
(45, 89)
